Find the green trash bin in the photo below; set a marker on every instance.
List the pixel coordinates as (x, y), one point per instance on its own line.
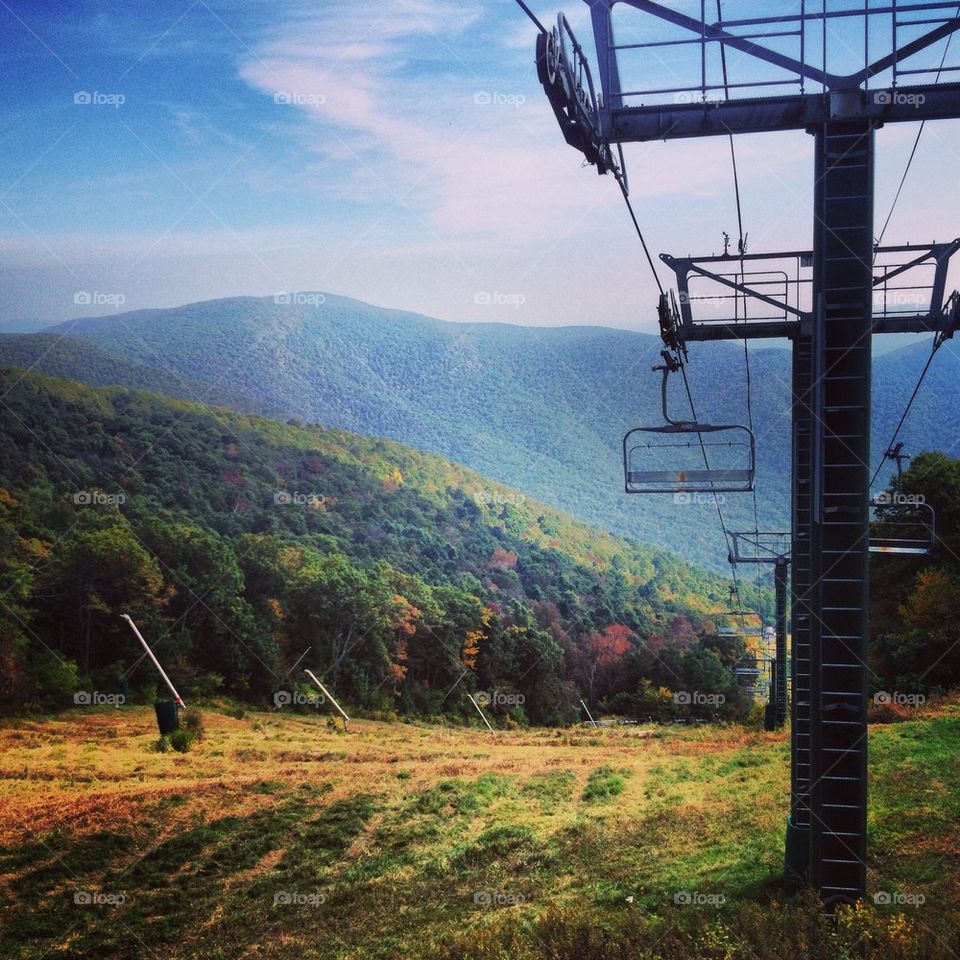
(167, 718)
(770, 717)
(797, 859)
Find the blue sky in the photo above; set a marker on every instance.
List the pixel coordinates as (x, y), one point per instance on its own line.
(401, 152)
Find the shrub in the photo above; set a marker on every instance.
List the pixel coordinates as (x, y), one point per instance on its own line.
(191, 721)
(888, 712)
(205, 686)
(181, 740)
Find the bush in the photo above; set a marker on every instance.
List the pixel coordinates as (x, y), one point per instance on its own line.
(54, 682)
(191, 721)
(181, 740)
(384, 716)
(889, 712)
(205, 686)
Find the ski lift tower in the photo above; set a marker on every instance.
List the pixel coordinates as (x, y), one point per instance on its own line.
(763, 547)
(663, 75)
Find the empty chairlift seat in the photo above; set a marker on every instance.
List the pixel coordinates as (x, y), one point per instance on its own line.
(900, 522)
(902, 527)
(685, 457)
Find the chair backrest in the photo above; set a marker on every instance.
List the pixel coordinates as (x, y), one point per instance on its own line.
(688, 457)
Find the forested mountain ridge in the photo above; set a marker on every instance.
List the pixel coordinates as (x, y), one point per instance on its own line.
(240, 541)
(540, 409)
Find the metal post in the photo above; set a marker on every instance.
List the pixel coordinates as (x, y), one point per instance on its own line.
(780, 663)
(843, 287)
(797, 855)
(832, 363)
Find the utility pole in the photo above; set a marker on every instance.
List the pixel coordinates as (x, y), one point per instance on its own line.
(831, 333)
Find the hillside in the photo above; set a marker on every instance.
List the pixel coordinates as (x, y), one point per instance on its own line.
(281, 839)
(76, 359)
(246, 541)
(540, 409)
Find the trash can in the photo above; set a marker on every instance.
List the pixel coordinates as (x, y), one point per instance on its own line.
(770, 717)
(167, 718)
(797, 859)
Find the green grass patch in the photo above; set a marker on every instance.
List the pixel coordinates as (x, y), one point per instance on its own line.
(604, 784)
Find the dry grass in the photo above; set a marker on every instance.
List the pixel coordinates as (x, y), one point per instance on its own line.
(395, 829)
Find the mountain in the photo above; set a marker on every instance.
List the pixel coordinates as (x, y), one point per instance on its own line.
(25, 325)
(240, 541)
(73, 358)
(540, 409)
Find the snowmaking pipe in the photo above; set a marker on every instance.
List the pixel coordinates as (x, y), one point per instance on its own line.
(482, 714)
(327, 694)
(156, 662)
(589, 714)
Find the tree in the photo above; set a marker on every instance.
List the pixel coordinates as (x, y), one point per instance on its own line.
(19, 556)
(602, 651)
(100, 570)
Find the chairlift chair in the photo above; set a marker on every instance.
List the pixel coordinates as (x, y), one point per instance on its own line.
(902, 524)
(905, 528)
(715, 458)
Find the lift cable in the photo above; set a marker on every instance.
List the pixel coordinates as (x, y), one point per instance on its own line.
(916, 143)
(532, 16)
(686, 384)
(643, 242)
(936, 345)
(723, 525)
(656, 276)
(938, 340)
(742, 249)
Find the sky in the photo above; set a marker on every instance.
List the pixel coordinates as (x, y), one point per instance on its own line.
(401, 152)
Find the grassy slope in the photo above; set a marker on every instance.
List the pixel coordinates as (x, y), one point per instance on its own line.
(398, 830)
